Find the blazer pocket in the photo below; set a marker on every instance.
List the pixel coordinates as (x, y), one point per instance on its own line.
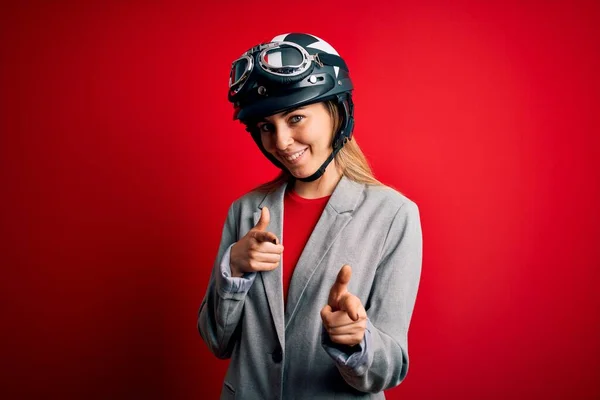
(228, 392)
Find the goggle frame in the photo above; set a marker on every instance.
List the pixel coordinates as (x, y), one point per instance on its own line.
(290, 70)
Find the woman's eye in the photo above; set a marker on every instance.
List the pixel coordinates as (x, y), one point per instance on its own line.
(265, 128)
(296, 118)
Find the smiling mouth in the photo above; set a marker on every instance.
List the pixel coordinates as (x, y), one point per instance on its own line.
(294, 156)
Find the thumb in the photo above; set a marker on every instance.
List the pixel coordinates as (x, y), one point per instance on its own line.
(340, 286)
(263, 222)
(343, 277)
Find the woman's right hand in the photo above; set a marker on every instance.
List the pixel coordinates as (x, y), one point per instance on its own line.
(258, 250)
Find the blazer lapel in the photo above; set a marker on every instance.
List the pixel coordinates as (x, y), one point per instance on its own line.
(272, 280)
(335, 217)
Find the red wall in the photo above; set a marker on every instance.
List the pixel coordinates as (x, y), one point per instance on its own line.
(119, 159)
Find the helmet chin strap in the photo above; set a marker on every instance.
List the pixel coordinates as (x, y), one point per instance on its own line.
(322, 168)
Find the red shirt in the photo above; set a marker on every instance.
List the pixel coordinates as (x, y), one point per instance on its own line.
(300, 216)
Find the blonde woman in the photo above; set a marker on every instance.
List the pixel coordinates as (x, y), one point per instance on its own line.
(317, 272)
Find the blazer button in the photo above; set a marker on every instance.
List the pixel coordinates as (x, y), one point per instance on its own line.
(277, 355)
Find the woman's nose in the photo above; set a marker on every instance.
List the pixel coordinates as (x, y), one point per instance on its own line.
(283, 137)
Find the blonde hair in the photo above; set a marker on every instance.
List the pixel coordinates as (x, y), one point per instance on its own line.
(350, 160)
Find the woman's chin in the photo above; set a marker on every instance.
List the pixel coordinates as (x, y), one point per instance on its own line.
(300, 172)
(298, 175)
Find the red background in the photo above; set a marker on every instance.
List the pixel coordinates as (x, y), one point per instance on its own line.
(119, 160)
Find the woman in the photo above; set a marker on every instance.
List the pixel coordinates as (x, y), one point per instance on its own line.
(326, 316)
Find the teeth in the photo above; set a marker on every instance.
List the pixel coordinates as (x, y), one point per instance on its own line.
(296, 155)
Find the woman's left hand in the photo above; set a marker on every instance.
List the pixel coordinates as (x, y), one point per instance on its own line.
(344, 317)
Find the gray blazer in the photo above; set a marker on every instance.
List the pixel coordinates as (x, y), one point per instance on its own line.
(282, 352)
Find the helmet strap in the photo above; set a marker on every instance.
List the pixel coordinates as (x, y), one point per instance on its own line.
(321, 169)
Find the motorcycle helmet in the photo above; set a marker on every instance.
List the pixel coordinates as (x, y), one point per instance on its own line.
(290, 71)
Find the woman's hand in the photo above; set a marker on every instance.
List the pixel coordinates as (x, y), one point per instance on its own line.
(258, 250)
(344, 316)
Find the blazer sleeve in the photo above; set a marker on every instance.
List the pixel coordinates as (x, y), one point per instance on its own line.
(223, 303)
(390, 307)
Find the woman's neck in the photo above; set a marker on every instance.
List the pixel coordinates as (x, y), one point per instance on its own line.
(324, 186)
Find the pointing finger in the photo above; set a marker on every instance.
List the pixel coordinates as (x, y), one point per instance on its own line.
(263, 236)
(352, 305)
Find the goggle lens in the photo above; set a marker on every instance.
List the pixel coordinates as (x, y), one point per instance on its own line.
(275, 58)
(238, 69)
(284, 57)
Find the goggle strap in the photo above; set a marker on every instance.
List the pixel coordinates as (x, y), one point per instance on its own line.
(333, 60)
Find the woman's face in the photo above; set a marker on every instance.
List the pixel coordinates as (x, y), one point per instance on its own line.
(299, 138)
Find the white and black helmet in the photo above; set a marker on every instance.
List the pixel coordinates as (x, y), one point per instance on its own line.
(292, 70)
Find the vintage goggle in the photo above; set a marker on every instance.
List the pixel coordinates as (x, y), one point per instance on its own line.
(283, 59)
